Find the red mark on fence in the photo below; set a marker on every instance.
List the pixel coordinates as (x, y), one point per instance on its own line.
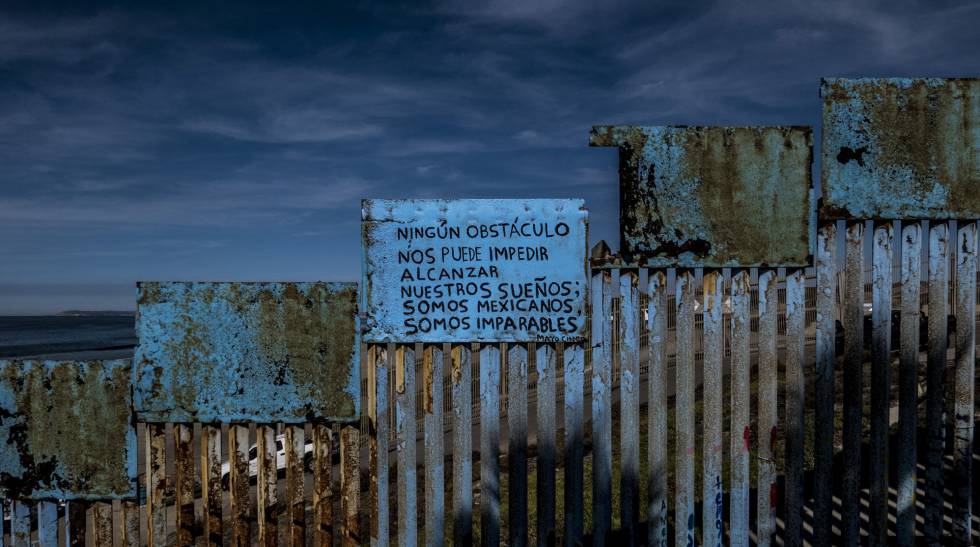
(746, 434)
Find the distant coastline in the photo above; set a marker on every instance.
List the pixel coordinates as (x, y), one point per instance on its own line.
(96, 313)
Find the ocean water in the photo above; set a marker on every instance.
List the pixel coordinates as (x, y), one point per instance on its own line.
(67, 337)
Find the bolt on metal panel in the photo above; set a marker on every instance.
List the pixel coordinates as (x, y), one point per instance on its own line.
(66, 430)
(236, 352)
(713, 196)
(474, 270)
(901, 148)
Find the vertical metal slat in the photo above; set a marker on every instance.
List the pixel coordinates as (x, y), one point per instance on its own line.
(963, 402)
(823, 433)
(350, 486)
(657, 405)
(405, 438)
(908, 384)
(266, 485)
(435, 471)
(601, 406)
(238, 485)
(156, 486)
(184, 483)
(546, 366)
(766, 486)
(684, 410)
(574, 356)
(462, 406)
(714, 349)
(936, 381)
(881, 313)
(378, 365)
(517, 356)
(853, 314)
(741, 392)
(322, 486)
(490, 445)
(211, 483)
(795, 402)
(47, 524)
(629, 404)
(294, 445)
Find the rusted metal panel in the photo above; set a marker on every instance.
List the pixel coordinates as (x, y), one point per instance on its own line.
(901, 148)
(474, 270)
(235, 352)
(679, 187)
(66, 430)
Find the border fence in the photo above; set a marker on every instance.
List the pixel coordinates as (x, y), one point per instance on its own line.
(753, 367)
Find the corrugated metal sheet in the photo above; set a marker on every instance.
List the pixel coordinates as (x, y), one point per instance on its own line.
(66, 430)
(232, 352)
(901, 148)
(713, 196)
(474, 270)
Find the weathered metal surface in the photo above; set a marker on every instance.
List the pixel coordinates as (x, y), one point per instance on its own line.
(684, 512)
(405, 436)
(234, 352)
(679, 187)
(824, 401)
(574, 356)
(546, 366)
(712, 488)
(66, 430)
(211, 484)
(908, 384)
(102, 525)
(741, 395)
(881, 328)
(766, 486)
(238, 490)
(350, 481)
(47, 524)
(795, 402)
(187, 527)
(155, 474)
(322, 486)
(963, 389)
(853, 392)
(294, 446)
(378, 365)
(461, 359)
(657, 512)
(474, 270)
(433, 359)
(602, 357)
(490, 367)
(901, 148)
(20, 524)
(932, 529)
(629, 406)
(517, 363)
(267, 498)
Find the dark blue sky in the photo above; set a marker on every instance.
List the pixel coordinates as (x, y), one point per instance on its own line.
(228, 143)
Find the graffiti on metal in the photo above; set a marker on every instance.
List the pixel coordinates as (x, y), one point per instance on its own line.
(67, 430)
(713, 196)
(235, 352)
(474, 270)
(901, 148)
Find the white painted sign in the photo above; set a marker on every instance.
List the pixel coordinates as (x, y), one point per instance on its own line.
(474, 270)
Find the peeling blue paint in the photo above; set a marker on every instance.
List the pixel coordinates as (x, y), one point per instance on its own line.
(66, 430)
(901, 148)
(236, 352)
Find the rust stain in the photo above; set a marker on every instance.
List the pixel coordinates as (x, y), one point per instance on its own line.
(713, 196)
